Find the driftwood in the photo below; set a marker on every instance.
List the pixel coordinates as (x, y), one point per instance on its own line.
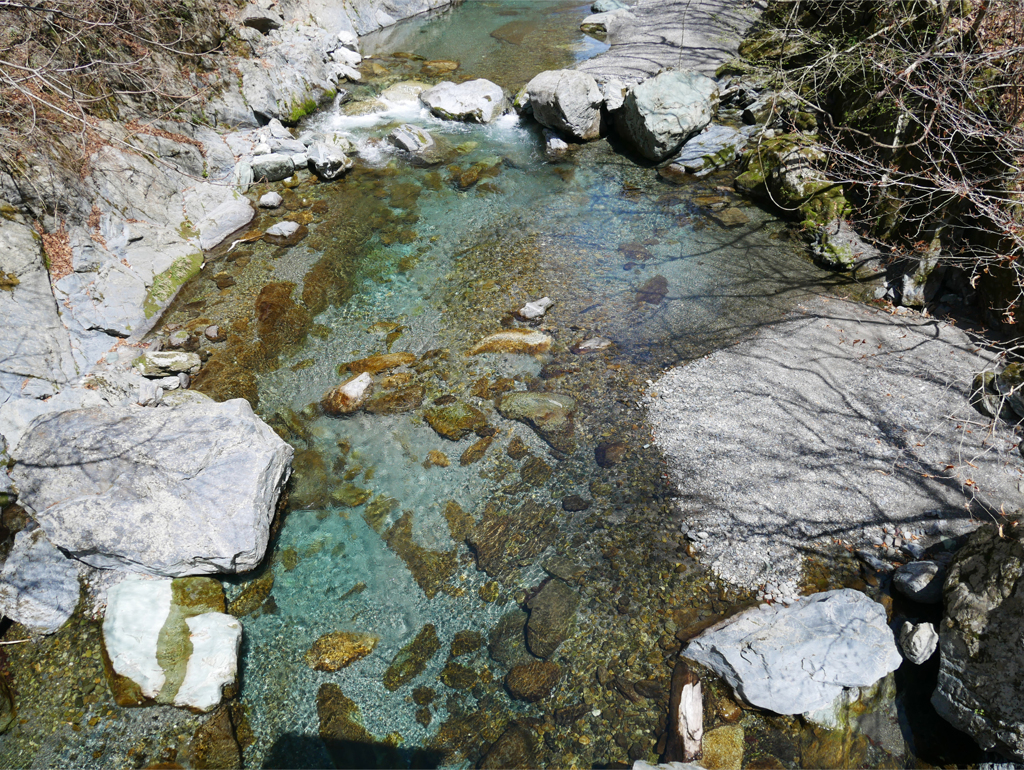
(685, 716)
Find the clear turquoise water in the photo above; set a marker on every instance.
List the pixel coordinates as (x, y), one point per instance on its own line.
(588, 232)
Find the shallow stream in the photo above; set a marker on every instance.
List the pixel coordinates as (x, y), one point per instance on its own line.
(427, 261)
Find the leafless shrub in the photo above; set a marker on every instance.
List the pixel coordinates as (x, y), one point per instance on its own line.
(921, 110)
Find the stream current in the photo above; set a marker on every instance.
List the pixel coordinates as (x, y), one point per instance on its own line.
(434, 545)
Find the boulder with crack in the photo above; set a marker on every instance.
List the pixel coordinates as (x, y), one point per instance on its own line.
(568, 102)
(660, 114)
(800, 658)
(182, 491)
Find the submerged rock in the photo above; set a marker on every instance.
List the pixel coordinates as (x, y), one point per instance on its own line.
(567, 101)
(188, 490)
(455, 421)
(798, 659)
(504, 540)
(513, 341)
(412, 659)
(170, 642)
(661, 113)
(377, 364)
(475, 101)
(981, 655)
(552, 610)
(39, 584)
(338, 649)
(549, 414)
(533, 681)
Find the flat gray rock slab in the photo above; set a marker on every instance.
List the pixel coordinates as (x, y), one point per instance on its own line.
(800, 658)
(673, 34)
(39, 584)
(836, 420)
(183, 491)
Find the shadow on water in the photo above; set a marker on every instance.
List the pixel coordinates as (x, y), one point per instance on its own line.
(303, 751)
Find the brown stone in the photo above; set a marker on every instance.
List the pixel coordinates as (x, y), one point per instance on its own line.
(653, 291)
(434, 457)
(731, 217)
(343, 399)
(516, 748)
(610, 453)
(503, 541)
(476, 451)
(455, 421)
(412, 659)
(430, 569)
(378, 363)
(466, 642)
(457, 676)
(214, 746)
(459, 522)
(517, 449)
(513, 341)
(438, 67)
(396, 401)
(535, 472)
(338, 649)
(532, 682)
(253, 595)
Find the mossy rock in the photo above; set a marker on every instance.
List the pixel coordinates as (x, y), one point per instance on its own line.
(455, 421)
(412, 659)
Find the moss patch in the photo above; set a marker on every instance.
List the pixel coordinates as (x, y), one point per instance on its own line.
(166, 284)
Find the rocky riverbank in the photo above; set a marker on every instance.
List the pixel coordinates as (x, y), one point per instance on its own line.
(788, 456)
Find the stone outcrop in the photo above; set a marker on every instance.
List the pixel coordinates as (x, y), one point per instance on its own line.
(568, 102)
(475, 101)
(982, 660)
(188, 490)
(660, 114)
(800, 658)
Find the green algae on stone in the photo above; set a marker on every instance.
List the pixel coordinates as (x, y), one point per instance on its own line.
(378, 511)
(455, 421)
(412, 659)
(457, 676)
(190, 596)
(253, 594)
(166, 284)
(505, 540)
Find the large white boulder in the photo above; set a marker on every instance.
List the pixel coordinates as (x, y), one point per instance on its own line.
(800, 658)
(475, 101)
(661, 113)
(567, 101)
(183, 491)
